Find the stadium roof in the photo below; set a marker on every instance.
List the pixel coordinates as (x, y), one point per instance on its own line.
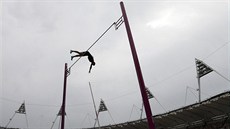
(214, 109)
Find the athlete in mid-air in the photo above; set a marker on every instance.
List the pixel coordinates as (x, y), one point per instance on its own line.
(81, 54)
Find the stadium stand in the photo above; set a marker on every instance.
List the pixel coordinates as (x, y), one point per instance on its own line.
(8, 128)
(212, 113)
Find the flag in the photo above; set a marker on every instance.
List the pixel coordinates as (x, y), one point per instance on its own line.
(202, 68)
(149, 94)
(102, 106)
(60, 112)
(22, 109)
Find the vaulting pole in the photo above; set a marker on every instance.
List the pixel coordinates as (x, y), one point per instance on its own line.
(64, 98)
(94, 107)
(138, 70)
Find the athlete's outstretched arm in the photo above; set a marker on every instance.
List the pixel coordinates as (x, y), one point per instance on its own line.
(90, 67)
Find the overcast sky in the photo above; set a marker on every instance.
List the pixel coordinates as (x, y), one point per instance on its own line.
(37, 35)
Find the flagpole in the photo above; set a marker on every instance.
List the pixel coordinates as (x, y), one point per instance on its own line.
(64, 97)
(198, 78)
(199, 91)
(27, 124)
(142, 108)
(94, 106)
(138, 70)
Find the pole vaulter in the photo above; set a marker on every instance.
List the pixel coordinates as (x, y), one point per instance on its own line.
(136, 63)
